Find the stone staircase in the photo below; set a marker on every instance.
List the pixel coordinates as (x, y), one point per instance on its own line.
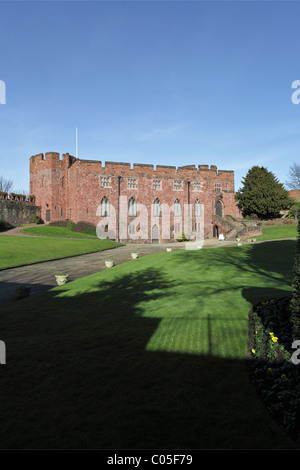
(232, 228)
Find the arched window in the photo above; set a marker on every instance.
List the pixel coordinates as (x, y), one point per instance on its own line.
(197, 208)
(132, 207)
(219, 208)
(105, 207)
(177, 208)
(157, 208)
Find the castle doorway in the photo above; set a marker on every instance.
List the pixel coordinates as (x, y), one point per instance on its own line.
(216, 231)
(155, 234)
(219, 208)
(47, 215)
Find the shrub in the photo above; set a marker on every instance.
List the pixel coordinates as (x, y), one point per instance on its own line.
(59, 223)
(4, 225)
(294, 210)
(271, 370)
(85, 227)
(295, 301)
(37, 220)
(182, 238)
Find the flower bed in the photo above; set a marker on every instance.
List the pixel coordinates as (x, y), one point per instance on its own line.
(271, 368)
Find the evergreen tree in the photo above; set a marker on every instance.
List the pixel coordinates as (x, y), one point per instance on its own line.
(295, 301)
(262, 194)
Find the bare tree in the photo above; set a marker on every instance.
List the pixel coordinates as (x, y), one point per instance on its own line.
(6, 185)
(294, 176)
(24, 192)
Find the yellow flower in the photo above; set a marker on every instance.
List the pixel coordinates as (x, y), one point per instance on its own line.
(253, 351)
(274, 339)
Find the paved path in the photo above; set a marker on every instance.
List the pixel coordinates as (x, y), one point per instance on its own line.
(41, 276)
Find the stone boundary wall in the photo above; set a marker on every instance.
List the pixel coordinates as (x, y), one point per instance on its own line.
(17, 212)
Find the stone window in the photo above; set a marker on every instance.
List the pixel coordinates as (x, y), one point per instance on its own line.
(217, 187)
(43, 181)
(156, 184)
(105, 207)
(157, 208)
(178, 185)
(177, 208)
(197, 208)
(63, 182)
(132, 207)
(177, 228)
(198, 185)
(132, 183)
(104, 181)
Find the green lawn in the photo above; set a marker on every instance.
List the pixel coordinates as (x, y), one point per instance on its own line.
(147, 355)
(277, 231)
(15, 250)
(52, 231)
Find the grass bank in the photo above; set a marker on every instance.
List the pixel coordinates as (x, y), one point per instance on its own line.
(147, 355)
(16, 251)
(277, 231)
(57, 232)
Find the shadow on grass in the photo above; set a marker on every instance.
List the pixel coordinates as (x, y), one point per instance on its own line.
(78, 375)
(267, 259)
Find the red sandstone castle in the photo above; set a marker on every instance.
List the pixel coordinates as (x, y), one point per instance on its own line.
(68, 188)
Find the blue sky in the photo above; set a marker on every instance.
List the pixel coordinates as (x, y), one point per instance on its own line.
(162, 82)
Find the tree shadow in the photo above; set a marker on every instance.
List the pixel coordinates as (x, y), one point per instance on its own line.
(79, 375)
(261, 258)
(9, 290)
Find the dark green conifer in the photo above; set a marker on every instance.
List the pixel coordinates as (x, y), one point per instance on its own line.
(262, 194)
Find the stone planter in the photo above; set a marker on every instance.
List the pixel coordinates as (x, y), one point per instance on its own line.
(109, 263)
(134, 255)
(61, 279)
(22, 292)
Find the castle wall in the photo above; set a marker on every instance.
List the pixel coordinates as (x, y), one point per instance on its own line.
(70, 188)
(17, 212)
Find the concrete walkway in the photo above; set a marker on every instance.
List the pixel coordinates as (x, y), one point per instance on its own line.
(41, 276)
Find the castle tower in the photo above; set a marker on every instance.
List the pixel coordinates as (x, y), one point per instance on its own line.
(49, 184)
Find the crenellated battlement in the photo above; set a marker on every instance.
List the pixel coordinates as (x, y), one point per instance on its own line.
(51, 159)
(4, 196)
(149, 170)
